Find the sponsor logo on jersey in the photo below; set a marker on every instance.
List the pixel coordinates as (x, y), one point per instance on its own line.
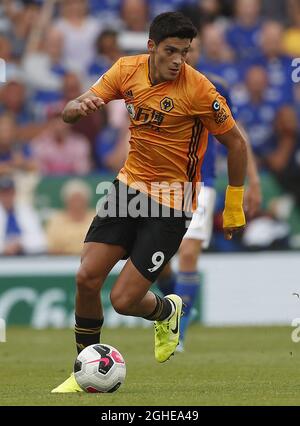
(221, 116)
(130, 109)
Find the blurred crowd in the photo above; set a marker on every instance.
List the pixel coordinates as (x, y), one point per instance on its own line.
(55, 49)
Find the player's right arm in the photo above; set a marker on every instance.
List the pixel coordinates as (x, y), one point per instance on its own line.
(81, 107)
(106, 89)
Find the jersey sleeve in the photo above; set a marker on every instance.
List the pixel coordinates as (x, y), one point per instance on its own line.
(108, 87)
(212, 109)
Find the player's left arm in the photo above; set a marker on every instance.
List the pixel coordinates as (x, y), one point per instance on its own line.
(233, 214)
(216, 116)
(253, 197)
(253, 193)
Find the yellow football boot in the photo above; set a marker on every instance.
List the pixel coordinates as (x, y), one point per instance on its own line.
(167, 331)
(68, 386)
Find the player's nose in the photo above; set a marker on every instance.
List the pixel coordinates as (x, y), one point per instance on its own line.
(177, 61)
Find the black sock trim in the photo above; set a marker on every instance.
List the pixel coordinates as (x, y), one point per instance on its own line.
(87, 332)
(88, 322)
(162, 310)
(153, 315)
(167, 309)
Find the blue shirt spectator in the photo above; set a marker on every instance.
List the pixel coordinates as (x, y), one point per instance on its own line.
(14, 156)
(216, 57)
(23, 149)
(106, 144)
(108, 52)
(277, 65)
(45, 100)
(244, 40)
(243, 35)
(279, 76)
(97, 68)
(14, 101)
(161, 6)
(258, 119)
(232, 73)
(20, 228)
(13, 229)
(107, 8)
(257, 111)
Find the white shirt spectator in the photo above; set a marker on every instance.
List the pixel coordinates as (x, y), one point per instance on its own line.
(79, 42)
(32, 238)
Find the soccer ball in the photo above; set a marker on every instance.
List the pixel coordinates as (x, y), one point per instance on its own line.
(99, 368)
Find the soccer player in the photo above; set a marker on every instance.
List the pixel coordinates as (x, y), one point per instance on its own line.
(197, 238)
(172, 107)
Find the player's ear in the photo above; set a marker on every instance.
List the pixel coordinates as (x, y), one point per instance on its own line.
(151, 45)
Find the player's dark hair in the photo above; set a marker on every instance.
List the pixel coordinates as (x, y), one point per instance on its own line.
(171, 24)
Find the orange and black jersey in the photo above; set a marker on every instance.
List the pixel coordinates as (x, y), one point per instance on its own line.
(170, 122)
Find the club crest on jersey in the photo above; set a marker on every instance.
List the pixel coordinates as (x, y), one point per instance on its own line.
(130, 109)
(167, 104)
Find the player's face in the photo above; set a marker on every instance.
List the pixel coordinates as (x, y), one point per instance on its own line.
(167, 58)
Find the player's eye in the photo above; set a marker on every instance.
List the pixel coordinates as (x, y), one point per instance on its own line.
(169, 51)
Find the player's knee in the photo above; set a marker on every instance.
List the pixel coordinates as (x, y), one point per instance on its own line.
(120, 302)
(87, 282)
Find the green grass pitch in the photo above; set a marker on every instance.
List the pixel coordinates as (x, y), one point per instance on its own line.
(221, 366)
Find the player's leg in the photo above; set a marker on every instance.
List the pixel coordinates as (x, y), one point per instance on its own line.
(157, 241)
(108, 239)
(196, 238)
(185, 283)
(131, 296)
(97, 261)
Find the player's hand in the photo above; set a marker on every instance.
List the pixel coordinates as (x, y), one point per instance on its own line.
(233, 214)
(229, 232)
(253, 199)
(90, 105)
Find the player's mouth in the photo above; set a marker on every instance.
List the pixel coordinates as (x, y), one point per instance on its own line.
(174, 71)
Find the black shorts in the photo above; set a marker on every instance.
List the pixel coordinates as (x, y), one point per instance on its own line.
(149, 241)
